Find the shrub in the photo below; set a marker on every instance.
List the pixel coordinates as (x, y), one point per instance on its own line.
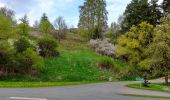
(106, 63)
(6, 52)
(28, 61)
(23, 43)
(103, 47)
(47, 45)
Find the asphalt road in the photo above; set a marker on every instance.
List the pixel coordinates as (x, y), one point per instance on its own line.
(99, 91)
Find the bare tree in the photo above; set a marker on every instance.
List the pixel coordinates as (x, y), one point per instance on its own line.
(7, 12)
(61, 27)
(36, 24)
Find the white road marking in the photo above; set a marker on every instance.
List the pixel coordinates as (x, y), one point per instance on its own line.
(24, 98)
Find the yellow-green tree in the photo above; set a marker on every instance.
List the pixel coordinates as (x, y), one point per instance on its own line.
(132, 45)
(5, 26)
(158, 53)
(23, 27)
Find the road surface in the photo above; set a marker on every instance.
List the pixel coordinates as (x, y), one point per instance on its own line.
(99, 91)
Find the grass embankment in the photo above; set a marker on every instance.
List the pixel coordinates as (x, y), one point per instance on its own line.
(154, 87)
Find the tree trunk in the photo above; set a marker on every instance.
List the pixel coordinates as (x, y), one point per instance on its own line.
(166, 79)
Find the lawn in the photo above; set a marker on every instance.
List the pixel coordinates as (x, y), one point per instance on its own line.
(154, 87)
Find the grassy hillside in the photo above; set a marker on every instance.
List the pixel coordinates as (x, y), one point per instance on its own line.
(70, 66)
(77, 62)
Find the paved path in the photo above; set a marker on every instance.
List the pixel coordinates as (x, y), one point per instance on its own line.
(99, 91)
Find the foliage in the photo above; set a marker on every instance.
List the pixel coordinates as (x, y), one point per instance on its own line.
(7, 53)
(47, 45)
(106, 63)
(114, 32)
(45, 25)
(133, 16)
(29, 60)
(5, 27)
(131, 46)
(23, 27)
(158, 53)
(93, 17)
(84, 33)
(7, 12)
(23, 43)
(103, 47)
(166, 6)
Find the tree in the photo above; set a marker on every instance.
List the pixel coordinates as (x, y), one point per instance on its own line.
(166, 7)
(132, 45)
(36, 24)
(45, 25)
(155, 12)
(7, 12)
(114, 32)
(61, 27)
(24, 26)
(138, 11)
(158, 53)
(93, 17)
(5, 27)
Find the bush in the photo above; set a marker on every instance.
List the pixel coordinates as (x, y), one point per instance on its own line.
(106, 63)
(6, 53)
(23, 43)
(29, 60)
(47, 45)
(103, 47)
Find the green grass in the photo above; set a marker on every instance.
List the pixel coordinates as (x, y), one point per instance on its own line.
(38, 84)
(70, 66)
(154, 87)
(146, 96)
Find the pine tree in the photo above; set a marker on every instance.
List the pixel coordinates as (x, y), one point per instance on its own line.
(141, 10)
(24, 26)
(45, 25)
(166, 7)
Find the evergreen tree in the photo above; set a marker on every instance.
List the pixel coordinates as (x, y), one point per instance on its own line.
(166, 7)
(45, 25)
(24, 26)
(140, 10)
(93, 17)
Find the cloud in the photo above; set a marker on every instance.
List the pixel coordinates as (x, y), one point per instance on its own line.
(54, 8)
(2, 4)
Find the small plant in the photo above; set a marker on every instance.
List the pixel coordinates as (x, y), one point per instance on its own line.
(48, 46)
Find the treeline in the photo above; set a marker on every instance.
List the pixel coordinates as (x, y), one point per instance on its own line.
(141, 35)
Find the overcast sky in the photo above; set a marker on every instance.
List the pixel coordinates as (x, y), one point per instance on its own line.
(54, 8)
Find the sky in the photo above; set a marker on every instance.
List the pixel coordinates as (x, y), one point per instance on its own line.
(69, 9)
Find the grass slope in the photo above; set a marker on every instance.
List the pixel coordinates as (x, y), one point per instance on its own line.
(71, 66)
(74, 66)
